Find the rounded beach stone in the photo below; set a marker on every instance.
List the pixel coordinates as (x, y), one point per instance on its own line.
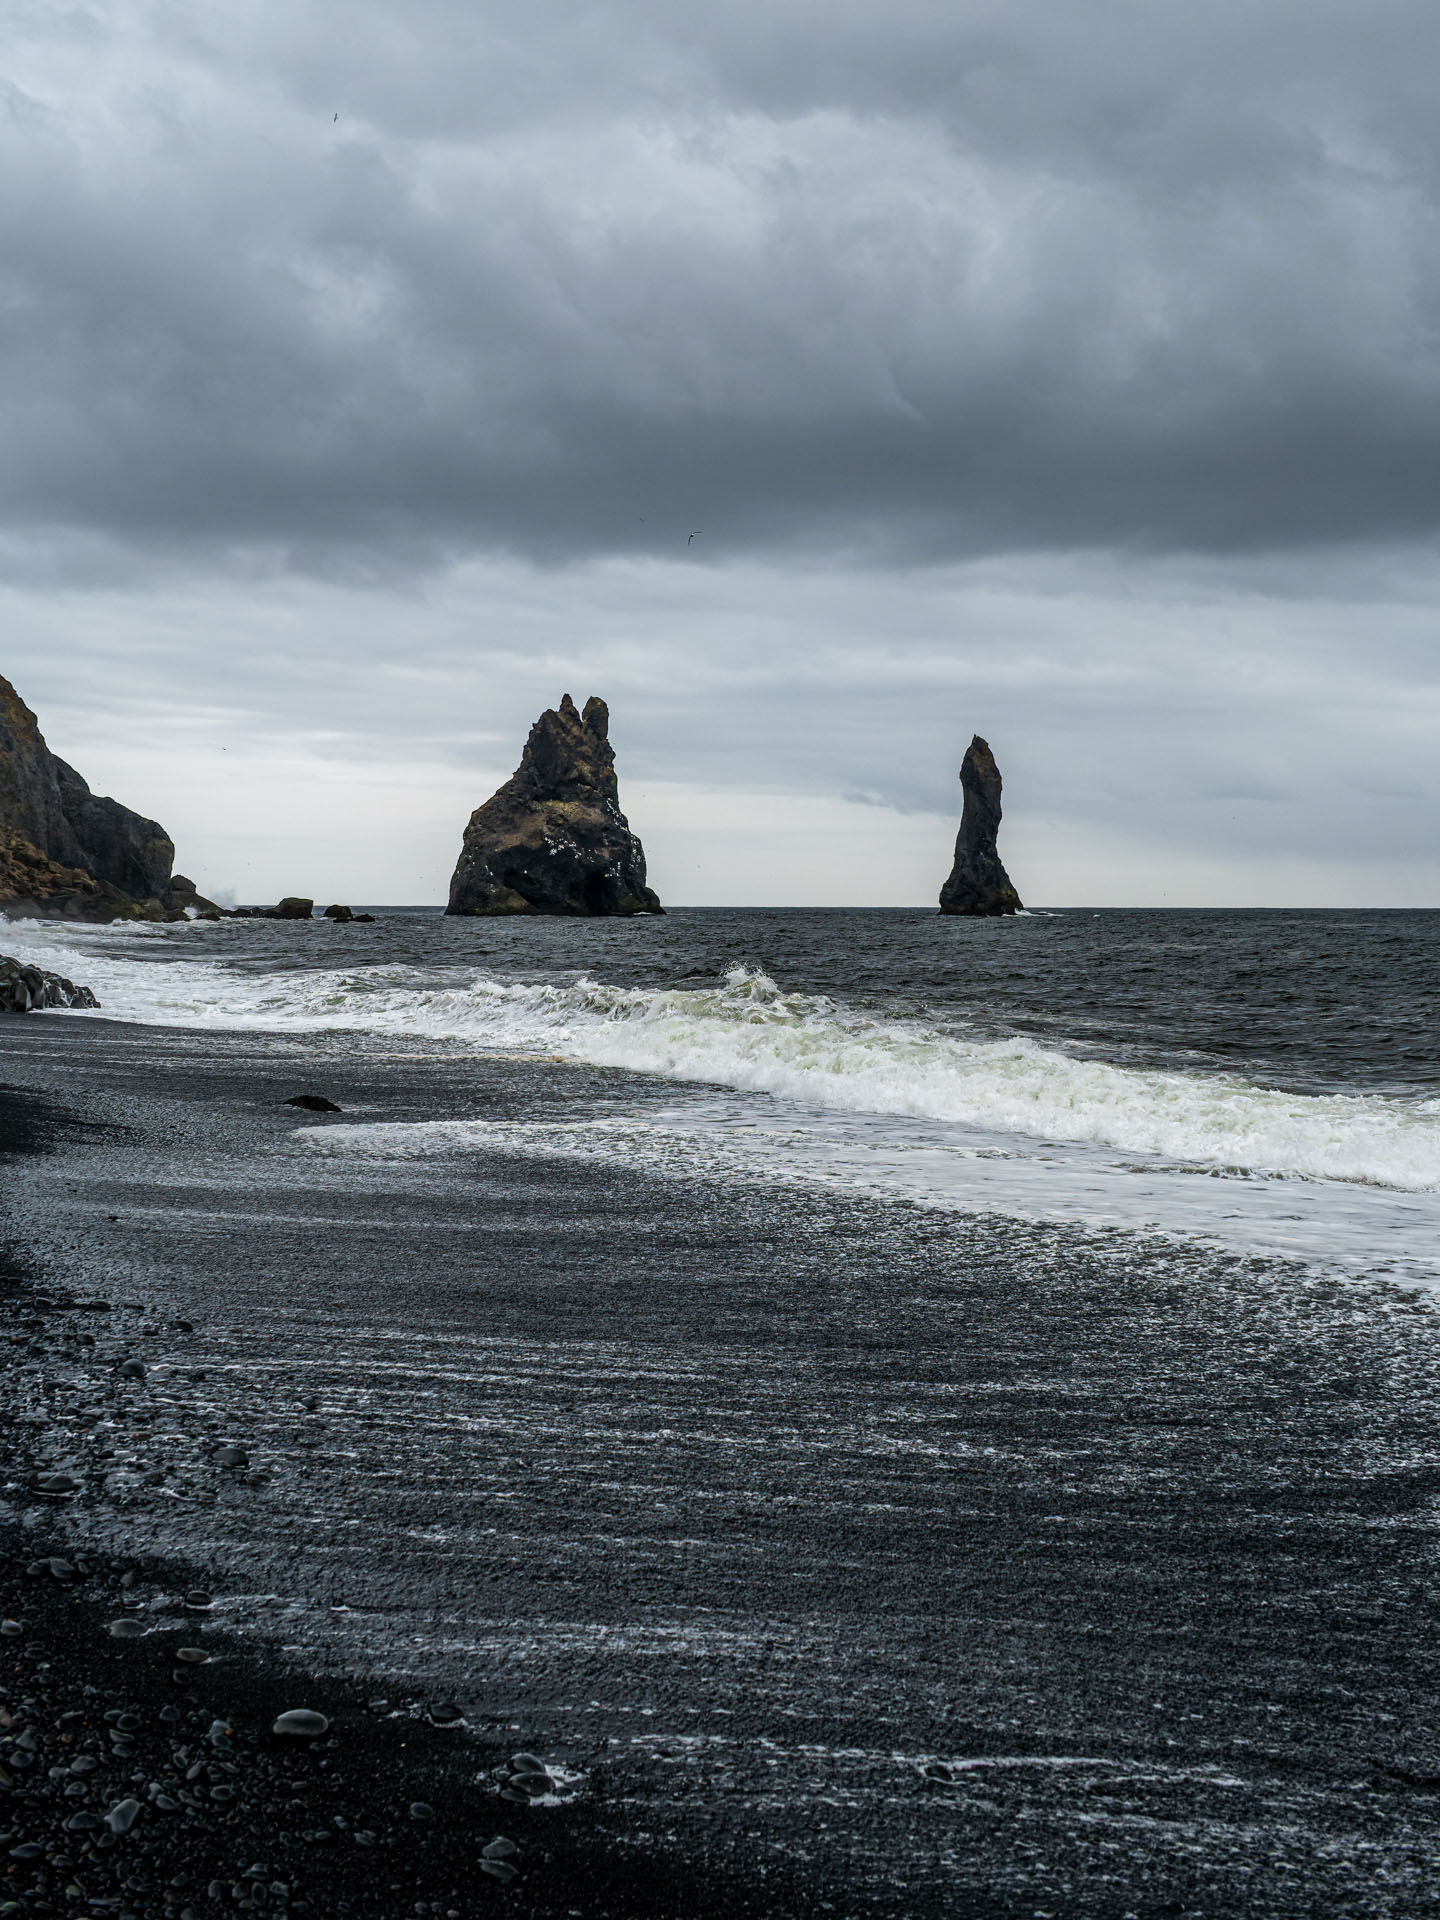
(301, 1723)
(127, 1629)
(191, 1656)
(122, 1816)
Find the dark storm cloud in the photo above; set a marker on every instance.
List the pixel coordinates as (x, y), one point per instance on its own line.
(907, 282)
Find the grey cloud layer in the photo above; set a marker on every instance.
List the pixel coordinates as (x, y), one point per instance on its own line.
(911, 282)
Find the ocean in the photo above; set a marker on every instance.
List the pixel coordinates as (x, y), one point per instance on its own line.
(1259, 1081)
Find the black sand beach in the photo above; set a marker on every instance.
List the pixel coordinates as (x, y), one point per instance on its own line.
(839, 1557)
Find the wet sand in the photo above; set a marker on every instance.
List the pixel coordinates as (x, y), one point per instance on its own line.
(841, 1557)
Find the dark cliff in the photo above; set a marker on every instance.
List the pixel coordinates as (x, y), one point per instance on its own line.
(553, 838)
(65, 852)
(978, 882)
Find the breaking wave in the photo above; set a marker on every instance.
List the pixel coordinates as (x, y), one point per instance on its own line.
(748, 1033)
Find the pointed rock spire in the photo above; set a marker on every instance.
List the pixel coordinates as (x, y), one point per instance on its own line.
(978, 883)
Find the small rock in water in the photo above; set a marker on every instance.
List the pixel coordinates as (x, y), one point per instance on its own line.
(232, 1457)
(131, 1370)
(192, 1656)
(122, 1815)
(313, 1103)
(448, 1715)
(197, 1598)
(301, 1723)
(127, 1629)
(528, 1763)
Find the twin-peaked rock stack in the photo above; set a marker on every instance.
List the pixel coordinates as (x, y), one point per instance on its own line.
(553, 839)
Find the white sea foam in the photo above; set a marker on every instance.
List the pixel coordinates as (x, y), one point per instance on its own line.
(747, 1033)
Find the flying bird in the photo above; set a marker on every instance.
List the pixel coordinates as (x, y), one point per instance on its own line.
(697, 530)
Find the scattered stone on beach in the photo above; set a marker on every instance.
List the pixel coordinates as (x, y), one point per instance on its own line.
(131, 1370)
(26, 989)
(313, 1103)
(500, 1848)
(231, 1457)
(500, 1870)
(421, 1810)
(56, 1483)
(192, 1656)
(127, 1629)
(301, 1723)
(553, 838)
(122, 1816)
(197, 1597)
(978, 884)
(11, 1629)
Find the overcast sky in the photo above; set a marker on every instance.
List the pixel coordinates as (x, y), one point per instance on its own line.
(1069, 373)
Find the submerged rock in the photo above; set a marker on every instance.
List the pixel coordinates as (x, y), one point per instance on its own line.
(978, 882)
(312, 1103)
(553, 839)
(25, 989)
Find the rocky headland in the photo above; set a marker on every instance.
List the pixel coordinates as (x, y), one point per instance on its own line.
(553, 839)
(978, 883)
(69, 854)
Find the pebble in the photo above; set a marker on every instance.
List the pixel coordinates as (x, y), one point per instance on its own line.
(222, 1793)
(499, 1848)
(232, 1457)
(56, 1483)
(421, 1810)
(197, 1598)
(528, 1763)
(131, 1370)
(302, 1722)
(500, 1870)
(127, 1629)
(82, 1823)
(122, 1815)
(11, 1629)
(448, 1715)
(192, 1656)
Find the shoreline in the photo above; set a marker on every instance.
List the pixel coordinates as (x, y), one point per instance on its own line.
(394, 1810)
(852, 1559)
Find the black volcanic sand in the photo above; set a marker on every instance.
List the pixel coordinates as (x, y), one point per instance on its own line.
(838, 1557)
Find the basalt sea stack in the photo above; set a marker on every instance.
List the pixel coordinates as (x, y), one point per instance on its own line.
(978, 883)
(553, 839)
(67, 853)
